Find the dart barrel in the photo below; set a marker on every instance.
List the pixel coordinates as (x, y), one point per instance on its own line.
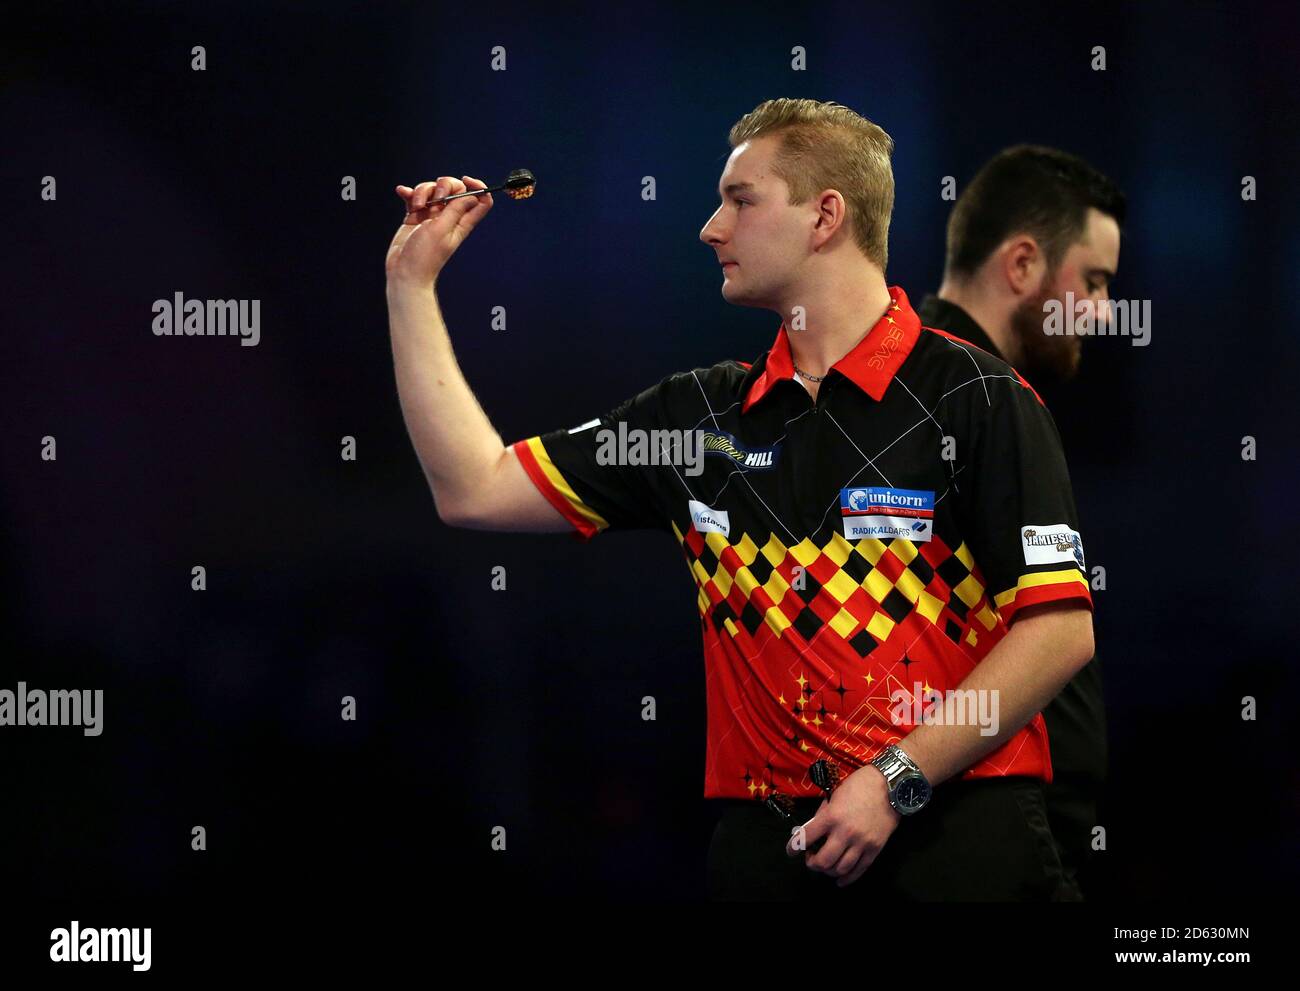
(520, 184)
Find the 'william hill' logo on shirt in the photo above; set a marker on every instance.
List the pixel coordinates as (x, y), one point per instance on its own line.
(720, 442)
(885, 513)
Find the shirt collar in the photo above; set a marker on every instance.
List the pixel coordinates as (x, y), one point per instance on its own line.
(942, 314)
(871, 364)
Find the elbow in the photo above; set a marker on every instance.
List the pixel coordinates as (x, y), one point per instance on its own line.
(1084, 646)
(464, 501)
(458, 520)
(452, 514)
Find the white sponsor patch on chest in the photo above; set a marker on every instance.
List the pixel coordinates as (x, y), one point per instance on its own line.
(708, 520)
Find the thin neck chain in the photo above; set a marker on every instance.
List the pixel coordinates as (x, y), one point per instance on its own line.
(893, 305)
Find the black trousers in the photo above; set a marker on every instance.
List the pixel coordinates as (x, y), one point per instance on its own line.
(1076, 729)
(984, 840)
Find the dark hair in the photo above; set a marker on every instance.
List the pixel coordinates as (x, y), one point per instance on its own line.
(1032, 190)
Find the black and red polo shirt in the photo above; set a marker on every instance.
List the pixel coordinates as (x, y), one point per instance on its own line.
(845, 551)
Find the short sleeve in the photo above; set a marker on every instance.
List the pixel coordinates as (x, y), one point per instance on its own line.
(1015, 503)
(586, 472)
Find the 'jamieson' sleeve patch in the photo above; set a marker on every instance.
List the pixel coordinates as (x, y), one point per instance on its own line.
(1052, 544)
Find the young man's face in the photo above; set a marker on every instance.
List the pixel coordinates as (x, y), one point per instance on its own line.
(756, 229)
(1086, 270)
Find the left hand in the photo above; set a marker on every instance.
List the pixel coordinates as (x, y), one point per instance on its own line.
(856, 821)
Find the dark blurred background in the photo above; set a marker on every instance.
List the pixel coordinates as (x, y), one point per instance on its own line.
(521, 708)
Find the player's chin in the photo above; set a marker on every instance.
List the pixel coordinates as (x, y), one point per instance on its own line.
(731, 292)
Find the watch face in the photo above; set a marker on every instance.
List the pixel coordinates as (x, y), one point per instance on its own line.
(912, 793)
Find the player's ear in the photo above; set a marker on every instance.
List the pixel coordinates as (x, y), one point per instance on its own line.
(831, 211)
(1022, 264)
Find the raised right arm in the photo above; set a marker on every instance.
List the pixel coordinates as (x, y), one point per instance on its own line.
(476, 481)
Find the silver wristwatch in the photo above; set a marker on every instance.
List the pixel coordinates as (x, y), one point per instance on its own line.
(909, 791)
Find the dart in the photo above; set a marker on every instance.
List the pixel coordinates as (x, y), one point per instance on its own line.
(825, 775)
(519, 185)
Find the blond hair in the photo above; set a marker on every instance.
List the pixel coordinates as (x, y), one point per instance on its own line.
(828, 146)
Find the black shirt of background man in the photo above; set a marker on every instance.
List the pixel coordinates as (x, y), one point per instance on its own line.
(1076, 718)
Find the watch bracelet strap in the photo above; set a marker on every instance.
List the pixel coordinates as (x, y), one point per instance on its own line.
(894, 760)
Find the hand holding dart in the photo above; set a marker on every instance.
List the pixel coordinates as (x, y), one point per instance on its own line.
(434, 226)
(519, 185)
